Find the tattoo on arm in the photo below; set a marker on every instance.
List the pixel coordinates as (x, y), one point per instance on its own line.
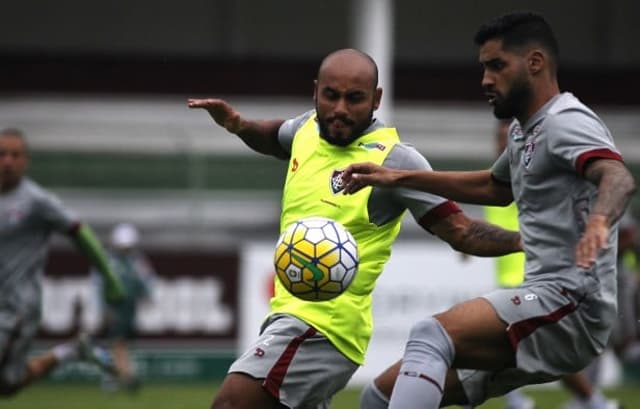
(488, 240)
(615, 187)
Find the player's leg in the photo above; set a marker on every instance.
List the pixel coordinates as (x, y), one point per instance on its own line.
(469, 335)
(122, 360)
(431, 351)
(290, 365)
(376, 394)
(16, 335)
(80, 348)
(585, 394)
(241, 391)
(16, 369)
(516, 399)
(13, 368)
(578, 385)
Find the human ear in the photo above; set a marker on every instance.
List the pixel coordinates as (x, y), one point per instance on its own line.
(377, 97)
(315, 91)
(536, 61)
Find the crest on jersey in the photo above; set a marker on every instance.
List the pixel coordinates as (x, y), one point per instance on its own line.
(527, 153)
(536, 130)
(336, 181)
(516, 133)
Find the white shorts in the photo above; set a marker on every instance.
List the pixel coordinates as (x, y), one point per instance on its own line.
(298, 365)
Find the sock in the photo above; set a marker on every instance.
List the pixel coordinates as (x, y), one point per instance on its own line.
(514, 399)
(427, 358)
(596, 401)
(65, 352)
(592, 371)
(372, 398)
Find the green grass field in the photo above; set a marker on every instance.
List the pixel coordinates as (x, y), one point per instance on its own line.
(192, 396)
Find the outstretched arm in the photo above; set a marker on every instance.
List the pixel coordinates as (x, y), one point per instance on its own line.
(89, 245)
(261, 136)
(476, 237)
(615, 188)
(476, 187)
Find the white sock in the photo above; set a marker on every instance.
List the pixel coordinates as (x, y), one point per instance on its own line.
(596, 401)
(427, 356)
(515, 399)
(65, 352)
(372, 398)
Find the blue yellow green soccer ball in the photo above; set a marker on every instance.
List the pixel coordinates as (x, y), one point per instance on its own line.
(316, 259)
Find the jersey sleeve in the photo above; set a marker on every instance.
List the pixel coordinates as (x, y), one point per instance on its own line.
(52, 211)
(426, 208)
(500, 170)
(289, 128)
(576, 137)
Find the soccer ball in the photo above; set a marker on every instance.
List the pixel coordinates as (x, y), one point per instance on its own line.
(316, 259)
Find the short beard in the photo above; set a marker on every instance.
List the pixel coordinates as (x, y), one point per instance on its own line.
(358, 130)
(515, 102)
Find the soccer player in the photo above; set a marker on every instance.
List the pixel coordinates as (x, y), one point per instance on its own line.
(307, 351)
(509, 271)
(28, 216)
(134, 270)
(570, 186)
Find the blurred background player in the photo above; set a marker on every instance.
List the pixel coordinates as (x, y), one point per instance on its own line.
(624, 341)
(133, 269)
(625, 338)
(29, 215)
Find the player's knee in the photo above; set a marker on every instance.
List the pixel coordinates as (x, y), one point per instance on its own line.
(372, 398)
(427, 330)
(428, 337)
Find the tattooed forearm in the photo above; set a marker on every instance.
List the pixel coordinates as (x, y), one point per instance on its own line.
(486, 240)
(615, 188)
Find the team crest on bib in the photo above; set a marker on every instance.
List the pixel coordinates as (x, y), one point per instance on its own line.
(336, 181)
(527, 153)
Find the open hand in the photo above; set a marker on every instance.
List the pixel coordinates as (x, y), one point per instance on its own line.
(594, 239)
(360, 175)
(220, 111)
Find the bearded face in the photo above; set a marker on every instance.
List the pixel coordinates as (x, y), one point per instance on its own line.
(342, 130)
(345, 96)
(515, 99)
(506, 79)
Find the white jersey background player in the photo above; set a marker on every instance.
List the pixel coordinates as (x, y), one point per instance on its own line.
(568, 180)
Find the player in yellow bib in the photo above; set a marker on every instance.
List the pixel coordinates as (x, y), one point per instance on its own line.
(307, 351)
